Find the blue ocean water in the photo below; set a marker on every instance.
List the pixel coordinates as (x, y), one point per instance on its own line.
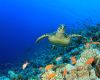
(22, 21)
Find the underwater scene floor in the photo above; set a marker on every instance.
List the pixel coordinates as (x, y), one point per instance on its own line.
(74, 56)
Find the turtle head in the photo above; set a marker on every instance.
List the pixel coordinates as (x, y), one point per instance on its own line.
(61, 29)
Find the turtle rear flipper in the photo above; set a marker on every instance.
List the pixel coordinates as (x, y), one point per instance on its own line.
(41, 37)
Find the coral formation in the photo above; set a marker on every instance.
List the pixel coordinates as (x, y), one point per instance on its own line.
(81, 70)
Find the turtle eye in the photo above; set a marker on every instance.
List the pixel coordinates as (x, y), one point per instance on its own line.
(59, 28)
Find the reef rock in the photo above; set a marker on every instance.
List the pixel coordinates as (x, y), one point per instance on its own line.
(4, 78)
(12, 75)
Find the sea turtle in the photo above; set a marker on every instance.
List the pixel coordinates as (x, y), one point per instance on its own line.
(59, 37)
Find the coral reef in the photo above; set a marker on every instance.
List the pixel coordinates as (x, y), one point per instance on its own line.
(79, 61)
(79, 71)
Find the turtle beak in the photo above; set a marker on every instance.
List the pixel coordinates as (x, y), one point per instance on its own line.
(63, 27)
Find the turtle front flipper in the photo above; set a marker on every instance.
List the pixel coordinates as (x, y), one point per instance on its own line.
(75, 35)
(41, 37)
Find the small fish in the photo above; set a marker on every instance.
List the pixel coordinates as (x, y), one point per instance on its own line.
(50, 76)
(25, 65)
(73, 59)
(91, 42)
(89, 61)
(58, 58)
(40, 68)
(87, 45)
(64, 72)
(48, 67)
(95, 42)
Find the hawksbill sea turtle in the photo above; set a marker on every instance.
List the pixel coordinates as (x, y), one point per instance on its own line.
(59, 37)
